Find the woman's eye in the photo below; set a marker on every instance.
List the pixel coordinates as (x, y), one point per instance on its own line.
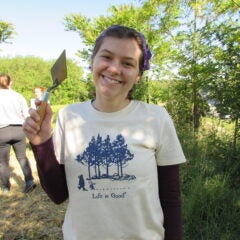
(106, 57)
(128, 64)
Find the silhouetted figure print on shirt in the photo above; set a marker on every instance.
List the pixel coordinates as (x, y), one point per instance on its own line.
(81, 183)
(105, 160)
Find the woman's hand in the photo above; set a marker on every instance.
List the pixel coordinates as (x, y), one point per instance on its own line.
(35, 133)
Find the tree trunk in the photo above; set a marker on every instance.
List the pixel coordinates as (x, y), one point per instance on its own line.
(235, 136)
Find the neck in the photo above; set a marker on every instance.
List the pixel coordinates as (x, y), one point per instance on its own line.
(109, 106)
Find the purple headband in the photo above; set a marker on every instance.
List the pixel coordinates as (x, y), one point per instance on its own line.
(146, 54)
(146, 51)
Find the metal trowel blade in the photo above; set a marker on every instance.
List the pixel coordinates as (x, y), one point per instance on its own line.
(59, 69)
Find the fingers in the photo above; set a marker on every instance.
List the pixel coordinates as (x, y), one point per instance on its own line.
(37, 102)
(30, 124)
(38, 133)
(34, 114)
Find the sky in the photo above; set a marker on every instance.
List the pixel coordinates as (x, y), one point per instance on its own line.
(40, 29)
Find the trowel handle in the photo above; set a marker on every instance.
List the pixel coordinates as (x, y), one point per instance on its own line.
(41, 109)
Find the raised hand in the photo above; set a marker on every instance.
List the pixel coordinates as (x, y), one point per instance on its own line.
(35, 132)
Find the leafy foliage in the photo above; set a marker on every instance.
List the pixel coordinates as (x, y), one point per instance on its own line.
(225, 77)
(210, 184)
(30, 72)
(7, 31)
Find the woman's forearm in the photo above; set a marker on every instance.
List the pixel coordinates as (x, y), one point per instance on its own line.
(170, 198)
(51, 172)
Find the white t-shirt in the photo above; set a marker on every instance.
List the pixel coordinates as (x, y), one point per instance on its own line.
(13, 108)
(110, 161)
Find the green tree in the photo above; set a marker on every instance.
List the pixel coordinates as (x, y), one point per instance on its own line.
(224, 85)
(192, 48)
(153, 18)
(27, 73)
(30, 72)
(73, 89)
(179, 34)
(7, 31)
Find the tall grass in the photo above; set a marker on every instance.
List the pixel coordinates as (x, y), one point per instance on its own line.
(211, 197)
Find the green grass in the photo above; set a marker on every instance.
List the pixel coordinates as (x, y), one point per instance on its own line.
(210, 192)
(210, 183)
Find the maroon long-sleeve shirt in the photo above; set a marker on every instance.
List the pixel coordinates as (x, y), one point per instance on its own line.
(53, 180)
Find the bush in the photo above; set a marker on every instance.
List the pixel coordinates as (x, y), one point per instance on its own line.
(211, 210)
(211, 202)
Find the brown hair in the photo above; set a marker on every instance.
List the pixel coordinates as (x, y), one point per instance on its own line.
(5, 81)
(42, 89)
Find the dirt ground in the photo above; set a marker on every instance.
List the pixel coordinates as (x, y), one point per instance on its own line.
(32, 215)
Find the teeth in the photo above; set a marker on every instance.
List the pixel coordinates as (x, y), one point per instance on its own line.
(112, 80)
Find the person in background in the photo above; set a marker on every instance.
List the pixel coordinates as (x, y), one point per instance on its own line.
(115, 158)
(13, 111)
(38, 92)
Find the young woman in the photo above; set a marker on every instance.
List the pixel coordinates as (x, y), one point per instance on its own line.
(13, 111)
(116, 159)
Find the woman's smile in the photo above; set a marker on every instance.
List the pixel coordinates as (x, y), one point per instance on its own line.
(111, 80)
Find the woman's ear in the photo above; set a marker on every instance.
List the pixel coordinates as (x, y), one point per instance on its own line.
(138, 79)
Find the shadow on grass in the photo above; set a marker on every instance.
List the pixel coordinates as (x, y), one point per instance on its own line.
(29, 216)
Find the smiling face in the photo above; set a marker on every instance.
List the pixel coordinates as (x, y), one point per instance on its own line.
(115, 68)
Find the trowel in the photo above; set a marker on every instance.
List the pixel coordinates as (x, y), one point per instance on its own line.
(59, 73)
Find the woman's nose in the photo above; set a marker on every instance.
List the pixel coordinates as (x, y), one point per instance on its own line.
(114, 67)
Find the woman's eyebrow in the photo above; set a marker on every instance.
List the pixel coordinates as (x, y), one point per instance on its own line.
(105, 50)
(108, 51)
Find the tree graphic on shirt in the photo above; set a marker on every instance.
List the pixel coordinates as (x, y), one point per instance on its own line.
(102, 155)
